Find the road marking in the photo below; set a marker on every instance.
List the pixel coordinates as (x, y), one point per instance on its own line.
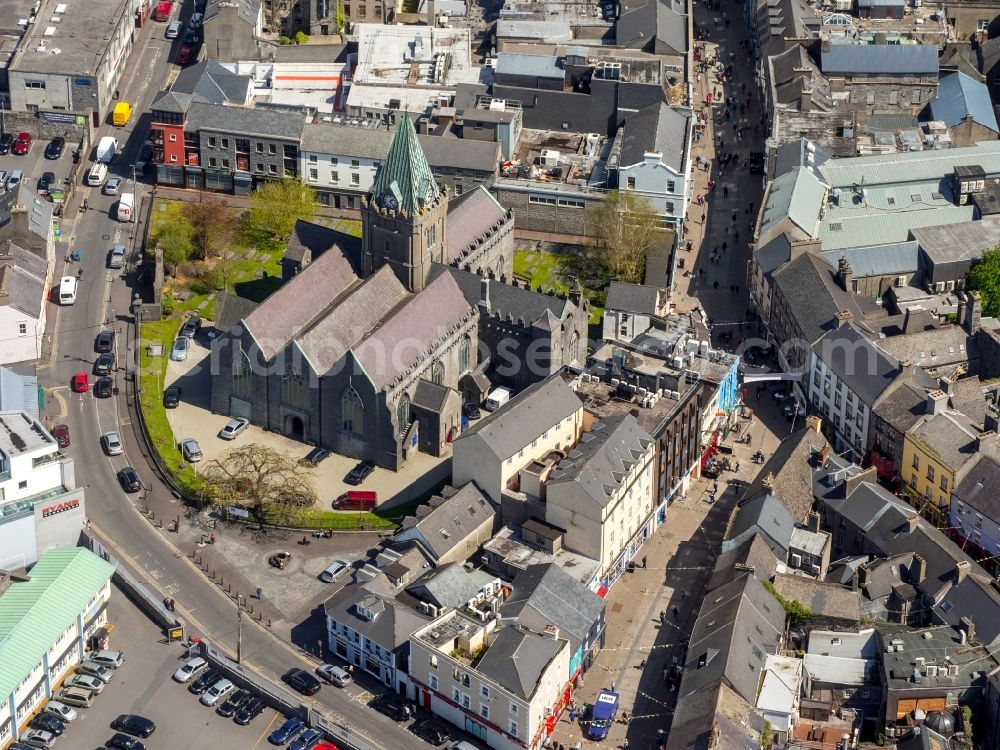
(63, 406)
(267, 728)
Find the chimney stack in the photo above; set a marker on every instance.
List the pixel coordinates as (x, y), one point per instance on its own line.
(484, 293)
(814, 423)
(968, 628)
(984, 440)
(842, 318)
(918, 569)
(912, 522)
(812, 522)
(854, 480)
(962, 569)
(824, 455)
(845, 274)
(937, 402)
(973, 312)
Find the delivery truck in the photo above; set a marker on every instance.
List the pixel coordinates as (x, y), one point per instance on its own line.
(107, 149)
(603, 714)
(123, 111)
(162, 12)
(126, 207)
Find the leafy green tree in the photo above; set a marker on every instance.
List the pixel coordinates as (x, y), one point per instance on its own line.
(340, 20)
(301, 37)
(984, 277)
(624, 229)
(213, 225)
(174, 239)
(796, 612)
(274, 209)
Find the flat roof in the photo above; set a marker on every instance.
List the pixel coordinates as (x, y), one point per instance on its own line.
(19, 434)
(70, 36)
(414, 56)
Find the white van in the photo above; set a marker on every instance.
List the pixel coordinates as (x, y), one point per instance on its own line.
(96, 174)
(497, 398)
(126, 207)
(67, 290)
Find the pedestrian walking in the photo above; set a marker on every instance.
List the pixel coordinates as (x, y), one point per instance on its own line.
(644, 562)
(676, 612)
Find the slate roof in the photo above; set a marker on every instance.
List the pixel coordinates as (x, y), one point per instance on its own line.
(35, 613)
(419, 323)
(546, 594)
(752, 553)
(796, 196)
(974, 597)
(517, 659)
(796, 153)
(231, 310)
(873, 59)
(852, 357)
(948, 243)
(901, 406)
(658, 128)
(638, 299)
(947, 344)
(793, 73)
(950, 434)
(893, 259)
(715, 717)
(405, 172)
(821, 598)
(249, 10)
(22, 280)
(296, 304)
(671, 26)
(598, 463)
(505, 299)
(526, 416)
(398, 616)
(967, 396)
(807, 285)
(430, 396)
(309, 237)
(790, 468)
(19, 391)
(206, 81)
(253, 121)
(450, 520)
(460, 153)
(471, 216)
(763, 515)
(448, 586)
(960, 96)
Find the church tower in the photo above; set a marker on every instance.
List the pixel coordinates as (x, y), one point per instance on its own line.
(404, 217)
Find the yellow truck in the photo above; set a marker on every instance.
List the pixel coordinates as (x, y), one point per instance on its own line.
(123, 110)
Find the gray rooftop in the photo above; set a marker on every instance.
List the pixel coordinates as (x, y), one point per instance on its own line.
(19, 433)
(249, 10)
(542, 66)
(517, 659)
(638, 299)
(546, 594)
(821, 598)
(472, 217)
(788, 470)
(231, 310)
(893, 259)
(880, 59)
(398, 616)
(863, 367)
(19, 391)
(258, 121)
(658, 128)
(207, 82)
(764, 515)
(937, 346)
(978, 488)
(523, 305)
(951, 435)
(450, 586)
(449, 520)
(966, 240)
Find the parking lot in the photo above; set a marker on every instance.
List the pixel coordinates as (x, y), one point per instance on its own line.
(34, 163)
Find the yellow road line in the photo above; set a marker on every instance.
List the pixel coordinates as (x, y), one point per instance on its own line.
(267, 729)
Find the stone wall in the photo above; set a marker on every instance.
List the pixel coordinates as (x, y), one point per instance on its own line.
(537, 217)
(43, 130)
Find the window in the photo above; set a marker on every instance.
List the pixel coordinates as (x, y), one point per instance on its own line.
(242, 375)
(670, 207)
(915, 96)
(23, 484)
(173, 137)
(630, 183)
(260, 148)
(484, 710)
(513, 728)
(464, 351)
(312, 158)
(34, 84)
(258, 168)
(22, 328)
(225, 143)
(484, 691)
(816, 378)
(670, 186)
(930, 473)
(430, 235)
(355, 163)
(352, 412)
(432, 680)
(272, 148)
(355, 179)
(334, 177)
(272, 168)
(456, 695)
(437, 372)
(916, 461)
(313, 175)
(295, 390)
(542, 199)
(983, 24)
(837, 401)
(333, 160)
(211, 141)
(944, 483)
(211, 161)
(434, 661)
(403, 413)
(513, 709)
(571, 203)
(225, 163)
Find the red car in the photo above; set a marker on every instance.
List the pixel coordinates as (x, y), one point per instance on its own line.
(61, 433)
(81, 383)
(184, 56)
(22, 144)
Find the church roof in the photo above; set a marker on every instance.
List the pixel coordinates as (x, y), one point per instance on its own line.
(405, 173)
(471, 216)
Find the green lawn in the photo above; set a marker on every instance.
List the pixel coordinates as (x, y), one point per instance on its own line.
(553, 273)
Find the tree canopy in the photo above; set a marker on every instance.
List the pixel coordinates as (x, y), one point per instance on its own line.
(274, 209)
(624, 229)
(260, 479)
(984, 277)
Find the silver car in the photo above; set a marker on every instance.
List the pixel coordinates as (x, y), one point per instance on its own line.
(111, 442)
(93, 669)
(85, 681)
(191, 450)
(39, 738)
(233, 428)
(179, 351)
(60, 710)
(112, 186)
(117, 257)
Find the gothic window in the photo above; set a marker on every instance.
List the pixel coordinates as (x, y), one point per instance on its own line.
(437, 372)
(295, 390)
(431, 235)
(353, 412)
(403, 413)
(464, 350)
(574, 347)
(242, 375)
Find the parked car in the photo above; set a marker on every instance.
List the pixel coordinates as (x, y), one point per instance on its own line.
(471, 410)
(185, 55)
(171, 397)
(191, 450)
(104, 364)
(302, 681)
(179, 351)
(779, 396)
(193, 668)
(45, 182)
(280, 560)
(6, 141)
(196, 20)
(140, 726)
(192, 36)
(129, 480)
(112, 186)
(205, 681)
(81, 382)
(331, 573)
(61, 433)
(116, 258)
(111, 444)
(217, 692)
(103, 388)
(233, 428)
(359, 473)
(191, 327)
(174, 30)
(393, 705)
(105, 342)
(307, 740)
(22, 144)
(54, 149)
(61, 711)
(250, 711)
(85, 681)
(236, 701)
(92, 668)
(39, 738)
(334, 675)
(15, 179)
(289, 728)
(316, 456)
(124, 742)
(48, 723)
(432, 731)
(3, 177)
(75, 697)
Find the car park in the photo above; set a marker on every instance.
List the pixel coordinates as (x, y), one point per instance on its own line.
(55, 147)
(92, 668)
(302, 681)
(61, 433)
(432, 731)
(104, 388)
(122, 741)
(217, 692)
(140, 726)
(22, 144)
(332, 572)
(280, 560)
(334, 675)
(111, 444)
(179, 351)
(39, 738)
(104, 364)
(191, 327)
(250, 711)
(116, 258)
(233, 428)
(81, 382)
(205, 681)
(316, 456)
(86, 682)
(105, 342)
(236, 701)
(193, 668)
(61, 711)
(172, 397)
(307, 740)
(15, 179)
(112, 186)
(48, 723)
(393, 705)
(129, 480)
(45, 182)
(289, 729)
(191, 450)
(359, 473)
(6, 142)
(173, 30)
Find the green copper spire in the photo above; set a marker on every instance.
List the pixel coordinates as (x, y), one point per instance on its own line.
(404, 181)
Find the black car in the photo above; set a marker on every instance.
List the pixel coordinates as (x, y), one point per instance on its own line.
(301, 680)
(104, 364)
(129, 480)
(140, 726)
(192, 36)
(204, 681)
(471, 410)
(105, 342)
(432, 731)
(234, 703)
(316, 455)
(103, 388)
(392, 705)
(45, 182)
(124, 742)
(172, 397)
(249, 712)
(55, 148)
(48, 723)
(359, 473)
(6, 141)
(191, 326)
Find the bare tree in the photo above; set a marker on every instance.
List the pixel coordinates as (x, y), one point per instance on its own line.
(624, 229)
(213, 225)
(262, 479)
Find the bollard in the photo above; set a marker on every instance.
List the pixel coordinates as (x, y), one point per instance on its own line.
(229, 588)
